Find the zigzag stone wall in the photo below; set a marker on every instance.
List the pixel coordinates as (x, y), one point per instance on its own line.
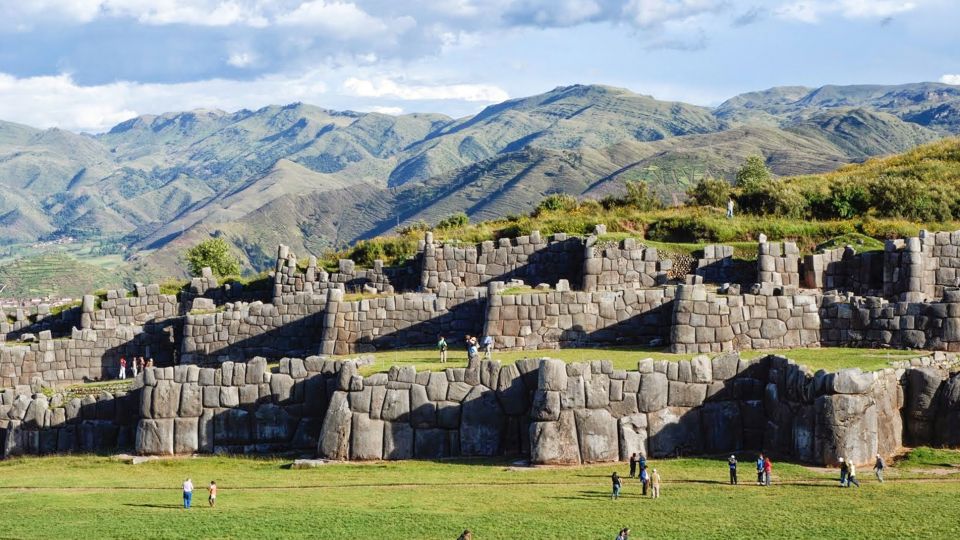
(622, 265)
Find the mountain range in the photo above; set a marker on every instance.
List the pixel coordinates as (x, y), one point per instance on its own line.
(316, 179)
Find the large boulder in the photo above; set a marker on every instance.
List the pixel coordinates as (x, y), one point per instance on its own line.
(191, 400)
(686, 394)
(653, 392)
(546, 406)
(423, 412)
(553, 375)
(555, 443)
(921, 404)
(335, 435)
(231, 427)
(166, 399)
(511, 391)
(366, 443)
(429, 443)
(186, 435)
(851, 381)
(674, 431)
(397, 440)
(272, 423)
(481, 423)
(155, 437)
(633, 436)
(846, 426)
(598, 435)
(722, 427)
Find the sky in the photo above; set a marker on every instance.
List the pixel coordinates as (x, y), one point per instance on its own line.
(86, 65)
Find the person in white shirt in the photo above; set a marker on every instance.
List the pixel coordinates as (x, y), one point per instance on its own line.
(187, 493)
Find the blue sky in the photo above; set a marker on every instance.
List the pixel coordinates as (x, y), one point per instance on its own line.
(89, 64)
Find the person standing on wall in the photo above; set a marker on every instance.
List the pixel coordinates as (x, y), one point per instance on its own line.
(732, 463)
(123, 368)
(442, 347)
(187, 493)
(878, 468)
(487, 346)
(655, 484)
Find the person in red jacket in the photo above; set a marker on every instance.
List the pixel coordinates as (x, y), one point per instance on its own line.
(767, 469)
(123, 368)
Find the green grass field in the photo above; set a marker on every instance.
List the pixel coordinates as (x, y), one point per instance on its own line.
(828, 358)
(99, 497)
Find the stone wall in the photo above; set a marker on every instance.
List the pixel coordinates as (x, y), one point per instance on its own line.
(291, 325)
(778, 263)
(621, 265)
(705, 321)
(844, 269)
(717, 265)
(531, 259)
(476, 411)
(556, 319)
(288, 279)
(403, 320)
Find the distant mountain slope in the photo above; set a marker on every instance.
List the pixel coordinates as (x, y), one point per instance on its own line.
(316, 178)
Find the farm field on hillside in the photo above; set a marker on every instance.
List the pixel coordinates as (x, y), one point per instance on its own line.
(100, 497)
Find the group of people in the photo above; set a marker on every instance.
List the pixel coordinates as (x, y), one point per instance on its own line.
(848, 471)
(136, 364)
(188, 493)
(649, 479)
(474, 348)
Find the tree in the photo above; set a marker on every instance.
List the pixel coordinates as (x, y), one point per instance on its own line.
(709, 192)
(214, 253)
(753, 173)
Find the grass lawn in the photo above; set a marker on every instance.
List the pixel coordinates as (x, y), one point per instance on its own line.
(97, 497)
(828, 358)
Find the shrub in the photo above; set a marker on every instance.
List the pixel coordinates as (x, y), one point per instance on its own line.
(419, 226)
(638, 197)
(557, 202)
(908, 198)
(753, 173)
(454, 221)
(773, 198)
(709, 192)
(214, 253)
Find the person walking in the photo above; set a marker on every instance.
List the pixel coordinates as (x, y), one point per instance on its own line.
(633, 465)
(465, 535)
(442, 347)
(624, 534)
(655, 484)
(878, 468)
(617, 484)
(767, 470)
(844, 472)
(760, 470)
(487, 346)
(212, 494)
(187, 493)
(732, 463)
(852, 474)
(123, 368)
(730, 208)
(644, 474)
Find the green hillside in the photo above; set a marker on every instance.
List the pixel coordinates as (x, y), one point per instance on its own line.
(54, 274)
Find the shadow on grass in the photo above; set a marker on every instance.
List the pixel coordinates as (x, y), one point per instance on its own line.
(154, 505)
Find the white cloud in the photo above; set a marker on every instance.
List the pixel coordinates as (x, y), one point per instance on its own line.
(343, 20)
(951, 78)
(650, 13)
(60, 101)
(382, 109)
(241, 59)
(152, 12)
(812, 11)
(385, 87)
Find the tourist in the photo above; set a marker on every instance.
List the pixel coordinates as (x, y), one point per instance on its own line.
(143, 364)
(465, 535)
(134, 367)
(844, 471)
(760, 470)
(442, 346)
(624, 534)
(471, 348)
(123, 368)
(767, 470)
(732, 462)
(852, 474)
(150, 363)
(655, 485)
(617, 484)
(488, 347)
(644, 475)
(212, 494)
(730, 208)
(633, 465)
(878, 468)
(187, 493)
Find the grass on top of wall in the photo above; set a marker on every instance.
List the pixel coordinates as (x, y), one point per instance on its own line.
(827, 358)
(99, 497)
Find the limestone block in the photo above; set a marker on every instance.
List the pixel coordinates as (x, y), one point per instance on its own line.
(686, 394)
(334, 442)
(598, 435)
(448, 415)
(553, 375)
(185, 435)
(211, 396)
(396, 405)
(423, 412)
(229, 396)
(397, 440)
(166, 399)
(846, 426)
(155, 437)
(191, 400)
(654, 390)
(633, 436)
(546, 406)
(598, 391)
(430, 443)
(722, 427)
(851, 381)
(281, 387)
(673, 429)
(231, 426)
(701, 369)
(555, 443)
(481, 423)
(272, 423)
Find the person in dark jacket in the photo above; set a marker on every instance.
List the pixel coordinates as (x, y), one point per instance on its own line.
(760, 470)
(732, 463)
(644, 475)
(617, 484)
(633, 465)
(844, 470)
(878, 468)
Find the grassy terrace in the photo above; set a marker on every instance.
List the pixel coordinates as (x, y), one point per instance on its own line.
(98, 497)
(828, 358)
